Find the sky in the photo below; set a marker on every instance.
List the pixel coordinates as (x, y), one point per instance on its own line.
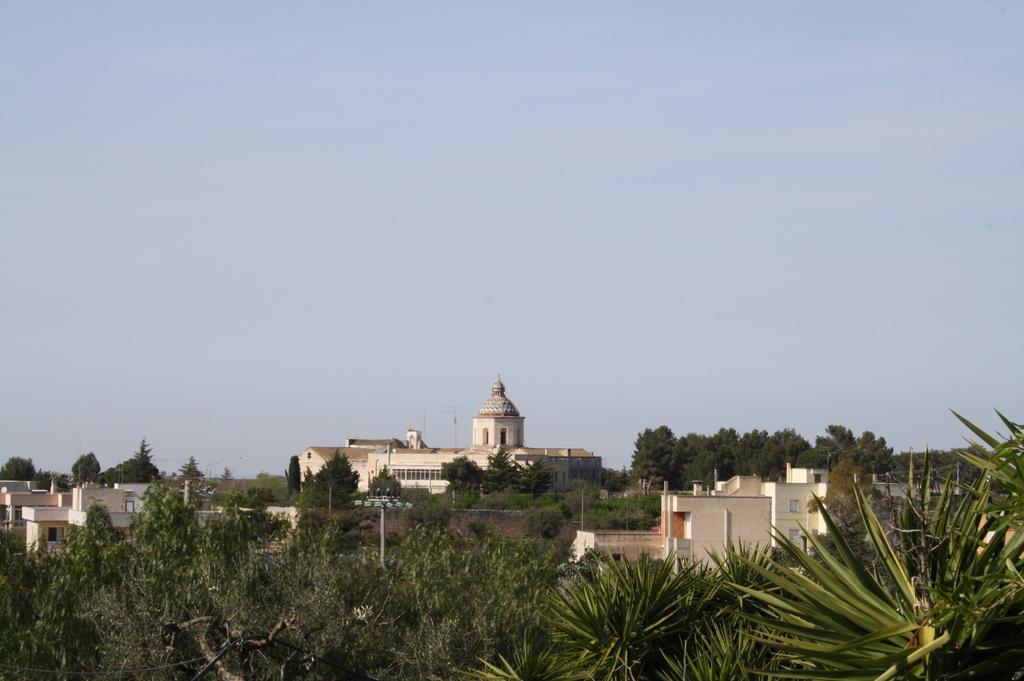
(241, 230)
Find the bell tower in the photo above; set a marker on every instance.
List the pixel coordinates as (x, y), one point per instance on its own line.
(498, 423)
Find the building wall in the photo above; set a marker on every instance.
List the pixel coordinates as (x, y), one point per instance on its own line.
(713, 523)
(114, 499)
(628, 545)
(566, 470)
(740, 485)
(36, 533)
(514, 428)
(14, 503)
(806, 475)
(787, 521)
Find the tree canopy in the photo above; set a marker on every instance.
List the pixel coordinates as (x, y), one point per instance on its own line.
(190, 469)
(86, 468)
(462, 473)
(332, 486)
(659, 455)
(139, 468)
(294, 474)
(385, 483)
(18, 468)
(501, 472)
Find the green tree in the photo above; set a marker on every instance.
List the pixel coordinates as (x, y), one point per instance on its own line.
(190, 469)
(86, 468)
(614, 480)
(655, 456)
(533, 478)
(385, 483)
(462, 474)
(44, 479)
(139, 468)
(545, 522)
(501, 472)
(332, 486)
(18, 468)
(294, 475)
(871, 453)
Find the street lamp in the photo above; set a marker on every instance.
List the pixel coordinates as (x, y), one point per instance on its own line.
(382, 499)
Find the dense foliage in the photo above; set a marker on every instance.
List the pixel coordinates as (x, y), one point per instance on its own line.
(942, 599)
(18, 468)
(927, 588)
(187, 587)
(86, 468)
(138, 468)
(661, 456)
(332, 486)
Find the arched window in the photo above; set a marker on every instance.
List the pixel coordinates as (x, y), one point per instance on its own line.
(504, 436)
(487, 436)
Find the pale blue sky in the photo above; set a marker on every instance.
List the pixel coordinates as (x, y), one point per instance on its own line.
(242, 229)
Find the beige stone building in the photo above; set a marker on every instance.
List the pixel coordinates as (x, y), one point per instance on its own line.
(47, 526)
(498, 423)
(17, 496)
(741, 510)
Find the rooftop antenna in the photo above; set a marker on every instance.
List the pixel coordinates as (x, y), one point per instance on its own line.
(455, 423)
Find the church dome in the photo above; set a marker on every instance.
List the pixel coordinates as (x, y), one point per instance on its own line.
(497, 404)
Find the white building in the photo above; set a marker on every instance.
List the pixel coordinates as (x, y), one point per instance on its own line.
(46, 526)
(741, 510)
(792, 500)
(498, 423)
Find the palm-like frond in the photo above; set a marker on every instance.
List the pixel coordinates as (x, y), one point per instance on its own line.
(1003, 462)
(721, 652)
(618, 624)
(529, 663)
(940, 606)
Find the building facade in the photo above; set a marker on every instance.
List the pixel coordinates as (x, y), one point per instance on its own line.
(17, 496)
(497, 424)
(743, 510)
(46, 526)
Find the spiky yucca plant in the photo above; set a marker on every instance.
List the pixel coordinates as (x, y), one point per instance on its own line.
(944, 604)
(529, 663)
(617, 626)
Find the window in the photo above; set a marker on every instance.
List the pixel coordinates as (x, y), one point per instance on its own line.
(794, 536)
(54, 534)
(129, 506)
(504, 436)
(487, 436)
(309, 455)
(817, 477)
(794, 505)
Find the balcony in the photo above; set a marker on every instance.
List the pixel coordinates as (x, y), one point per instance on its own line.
(46, 513)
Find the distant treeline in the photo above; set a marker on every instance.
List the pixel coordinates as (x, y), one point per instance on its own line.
(660, 455)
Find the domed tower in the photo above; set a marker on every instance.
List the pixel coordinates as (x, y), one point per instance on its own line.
(498, 422)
